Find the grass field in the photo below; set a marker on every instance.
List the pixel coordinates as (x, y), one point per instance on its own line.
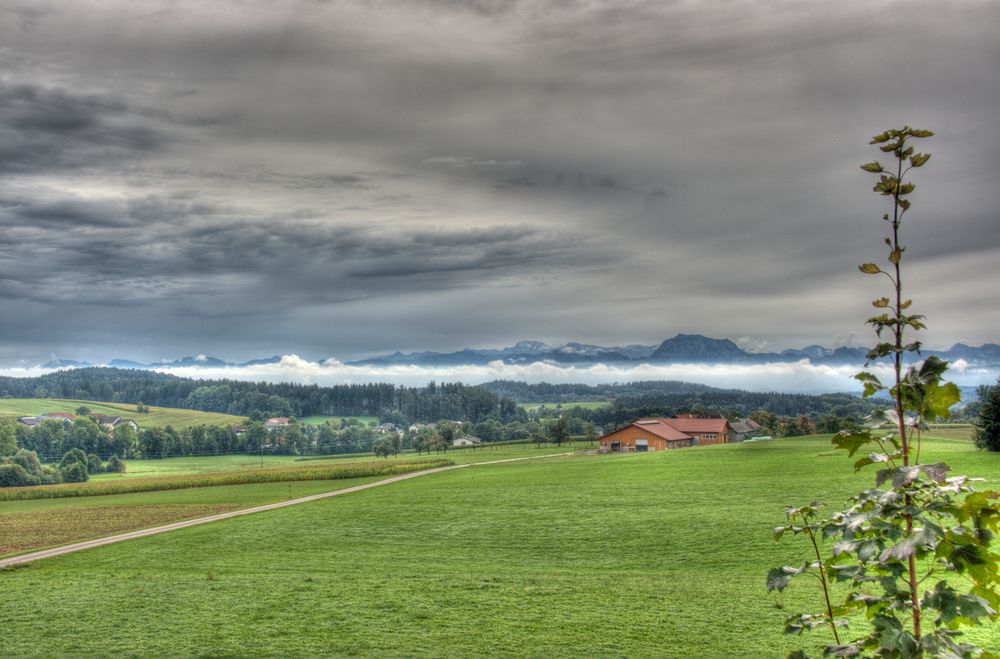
(156, 417)
(660, 554)
(961, 431)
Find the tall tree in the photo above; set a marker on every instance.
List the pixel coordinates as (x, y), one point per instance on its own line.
(987, 432)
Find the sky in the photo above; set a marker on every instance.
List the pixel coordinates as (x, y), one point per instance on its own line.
(341, 179)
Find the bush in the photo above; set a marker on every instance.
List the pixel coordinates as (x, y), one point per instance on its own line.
(28, 460)
(94, 464)
(75, 472)
(14, 475)
(71, 456)
(115, 465)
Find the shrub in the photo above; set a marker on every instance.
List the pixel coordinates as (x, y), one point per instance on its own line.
(28, 460)
(115, 465)
(94, 464)
(71, 456)
(75, 472)
(14, 475)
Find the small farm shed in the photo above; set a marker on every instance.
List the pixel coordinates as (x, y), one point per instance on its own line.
(468, 440)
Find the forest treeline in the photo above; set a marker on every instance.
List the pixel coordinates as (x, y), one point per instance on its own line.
(263, 399)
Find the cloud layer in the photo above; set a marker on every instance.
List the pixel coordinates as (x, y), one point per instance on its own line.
(791, 377)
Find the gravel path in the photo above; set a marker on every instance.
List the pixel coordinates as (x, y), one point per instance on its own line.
(121, 537)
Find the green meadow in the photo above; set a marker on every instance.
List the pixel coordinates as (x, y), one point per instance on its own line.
(659, 554)
(155, 417)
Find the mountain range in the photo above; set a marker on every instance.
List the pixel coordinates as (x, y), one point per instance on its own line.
(680, 349)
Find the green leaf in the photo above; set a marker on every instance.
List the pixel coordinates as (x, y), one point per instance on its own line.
(851, 441)
(937, 472)
(919, 159)
(881, 303)
(870, 268)
(895, 255)
(881, 137)
(916, 132)
(873, 167)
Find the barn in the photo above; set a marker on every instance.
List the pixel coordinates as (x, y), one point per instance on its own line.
(661, 434)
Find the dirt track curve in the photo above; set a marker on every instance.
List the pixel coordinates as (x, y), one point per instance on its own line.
(121, 537)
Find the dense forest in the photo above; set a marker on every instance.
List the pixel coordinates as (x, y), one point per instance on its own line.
(260, 399)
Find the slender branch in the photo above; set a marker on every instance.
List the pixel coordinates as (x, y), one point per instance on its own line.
(826, 589)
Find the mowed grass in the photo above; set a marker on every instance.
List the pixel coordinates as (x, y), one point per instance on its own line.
(156, 417)
(961, 431)
(660, 554)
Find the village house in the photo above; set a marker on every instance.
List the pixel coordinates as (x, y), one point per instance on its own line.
(277, 422)
(661, 434)
(111, 421)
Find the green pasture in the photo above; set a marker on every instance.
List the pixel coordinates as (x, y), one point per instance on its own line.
(156, 417)
(658, 554)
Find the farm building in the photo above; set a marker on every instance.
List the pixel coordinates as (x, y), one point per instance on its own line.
(743, 429)
(277, 422)
(661, 434)
(65, 417)
(468, 440)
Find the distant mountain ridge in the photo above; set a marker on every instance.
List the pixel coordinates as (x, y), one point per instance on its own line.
(679, 349)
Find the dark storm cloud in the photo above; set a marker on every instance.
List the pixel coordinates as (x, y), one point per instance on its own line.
(43, 129)
(353, 176)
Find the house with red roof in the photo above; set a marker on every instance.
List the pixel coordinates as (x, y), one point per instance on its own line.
(662, 433)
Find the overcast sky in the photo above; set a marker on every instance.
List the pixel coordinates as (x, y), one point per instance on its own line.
(346, 178)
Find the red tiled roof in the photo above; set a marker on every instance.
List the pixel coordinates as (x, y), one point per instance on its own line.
(660, 429)
(63, 415)
(698, 425)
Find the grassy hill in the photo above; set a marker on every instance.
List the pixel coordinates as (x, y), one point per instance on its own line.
(660, 554)
(156, 417)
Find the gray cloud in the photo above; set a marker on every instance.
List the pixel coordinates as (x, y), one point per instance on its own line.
(341, 178)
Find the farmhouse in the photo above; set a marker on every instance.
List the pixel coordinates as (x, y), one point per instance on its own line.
(468, 440)
(277, 422)
(660, 434)
(111, 421)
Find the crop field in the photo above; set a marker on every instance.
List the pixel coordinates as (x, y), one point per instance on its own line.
(275, 475)
(660, 554)
(156, 417)
(40, 523)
